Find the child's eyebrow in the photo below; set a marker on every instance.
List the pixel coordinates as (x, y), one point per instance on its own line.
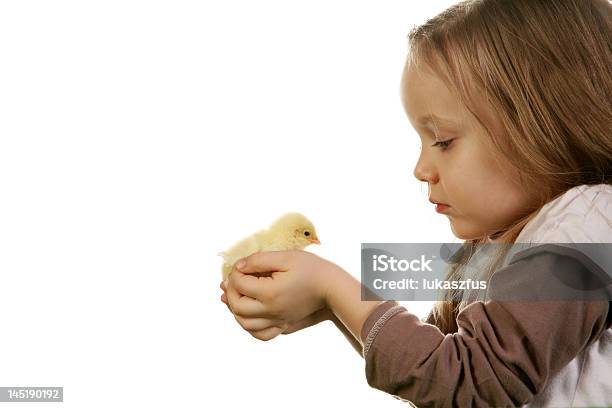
(434, 119)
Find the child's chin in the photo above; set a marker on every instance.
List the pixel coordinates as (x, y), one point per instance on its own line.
(465, 232)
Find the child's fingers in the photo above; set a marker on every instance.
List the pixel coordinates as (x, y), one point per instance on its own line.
(249, 285)
(227, 304)
(256, 324)
(224, 294)
(245, 305)
(268, 334)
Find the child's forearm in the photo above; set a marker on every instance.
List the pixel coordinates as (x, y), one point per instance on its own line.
(349, 336)
(323, 315)
(343, 298)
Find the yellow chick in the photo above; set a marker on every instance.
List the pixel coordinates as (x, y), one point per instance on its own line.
(290, 231)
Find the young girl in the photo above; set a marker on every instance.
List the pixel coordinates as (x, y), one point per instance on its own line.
(512, 101)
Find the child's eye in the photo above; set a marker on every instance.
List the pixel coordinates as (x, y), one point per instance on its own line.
(443, 144)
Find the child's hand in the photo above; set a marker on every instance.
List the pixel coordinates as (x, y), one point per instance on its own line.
(262, 329)
(283, 301)
(270, 331)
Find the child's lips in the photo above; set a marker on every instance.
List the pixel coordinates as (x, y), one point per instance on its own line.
(441, 208)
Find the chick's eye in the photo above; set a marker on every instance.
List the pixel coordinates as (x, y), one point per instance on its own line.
(307, 233)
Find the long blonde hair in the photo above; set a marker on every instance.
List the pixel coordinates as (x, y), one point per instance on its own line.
(544, 69)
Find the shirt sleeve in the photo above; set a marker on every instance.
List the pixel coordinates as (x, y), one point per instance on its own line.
(503, 353)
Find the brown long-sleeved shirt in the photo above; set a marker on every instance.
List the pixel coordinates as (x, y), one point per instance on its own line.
(504, 352)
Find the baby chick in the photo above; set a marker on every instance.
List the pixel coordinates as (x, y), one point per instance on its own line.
(291, 231)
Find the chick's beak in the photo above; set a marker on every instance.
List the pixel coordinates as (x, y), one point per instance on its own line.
(315, 240)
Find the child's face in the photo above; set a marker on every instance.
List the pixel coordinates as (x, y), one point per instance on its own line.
(483, 195)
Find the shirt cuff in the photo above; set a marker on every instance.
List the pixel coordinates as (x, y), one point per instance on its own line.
(375, 321)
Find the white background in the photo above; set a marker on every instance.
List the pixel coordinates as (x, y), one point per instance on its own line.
(138, 139)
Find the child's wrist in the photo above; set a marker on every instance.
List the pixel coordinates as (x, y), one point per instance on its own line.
(329, 282)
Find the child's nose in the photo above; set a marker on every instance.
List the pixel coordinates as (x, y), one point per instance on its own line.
(424, 171)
